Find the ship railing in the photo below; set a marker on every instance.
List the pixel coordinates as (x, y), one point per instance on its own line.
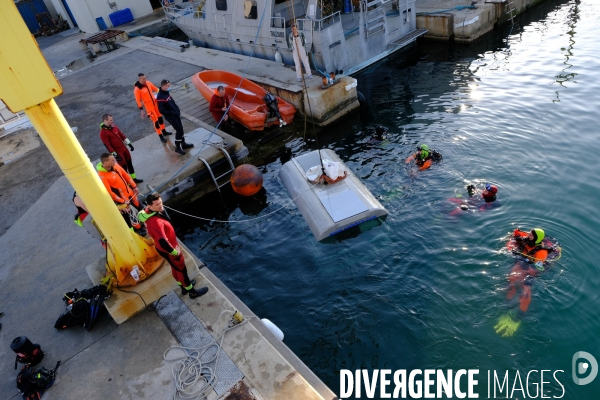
(329, 20)
(278, 22)
(187, 10)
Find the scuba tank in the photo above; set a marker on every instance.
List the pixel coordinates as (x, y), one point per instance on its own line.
(27, 353)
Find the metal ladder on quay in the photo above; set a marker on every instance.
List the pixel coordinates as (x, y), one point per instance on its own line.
(511, 11)
(210, 171)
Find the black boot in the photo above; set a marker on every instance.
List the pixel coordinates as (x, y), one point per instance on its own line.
(185, 145)
(136, 180)
(198, 292)
(184, 291)
(178, 148)
(162, 138)
(166, 133)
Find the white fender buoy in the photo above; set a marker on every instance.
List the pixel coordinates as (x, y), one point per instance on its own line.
(273, 328)
(278, 57)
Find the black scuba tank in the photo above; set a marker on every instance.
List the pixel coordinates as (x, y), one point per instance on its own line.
(27, 353)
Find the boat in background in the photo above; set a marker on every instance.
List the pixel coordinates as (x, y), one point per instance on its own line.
(347, 42)
(253, 106)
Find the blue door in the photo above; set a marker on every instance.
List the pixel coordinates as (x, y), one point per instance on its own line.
(29, 9)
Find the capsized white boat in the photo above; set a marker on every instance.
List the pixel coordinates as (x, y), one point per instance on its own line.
(329, 208)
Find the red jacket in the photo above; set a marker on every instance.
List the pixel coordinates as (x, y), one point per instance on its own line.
(160, 229)
(216, 106)
(113, 138)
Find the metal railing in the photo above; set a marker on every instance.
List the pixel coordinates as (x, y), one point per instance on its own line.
(278, 22)
(190, 10)
(328, 20)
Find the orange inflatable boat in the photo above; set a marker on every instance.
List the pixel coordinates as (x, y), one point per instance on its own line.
(249, 108)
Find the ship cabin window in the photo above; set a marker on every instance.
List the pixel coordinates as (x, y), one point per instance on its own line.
(250, 9)
(221, 5)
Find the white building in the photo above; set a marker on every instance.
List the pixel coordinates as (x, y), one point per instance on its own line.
(85, 13)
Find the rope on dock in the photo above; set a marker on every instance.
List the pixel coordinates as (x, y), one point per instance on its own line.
(194, 379)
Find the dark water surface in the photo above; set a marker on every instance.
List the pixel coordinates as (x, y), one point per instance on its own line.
(424, 290)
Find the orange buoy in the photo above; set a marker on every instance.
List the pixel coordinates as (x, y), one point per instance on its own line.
(246, 180)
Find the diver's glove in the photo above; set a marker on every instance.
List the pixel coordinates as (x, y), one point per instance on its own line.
(507, 326)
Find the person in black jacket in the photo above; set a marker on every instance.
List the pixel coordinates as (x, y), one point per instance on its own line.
(170, 111)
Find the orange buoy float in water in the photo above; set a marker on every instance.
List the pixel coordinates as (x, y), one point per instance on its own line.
(246, 180)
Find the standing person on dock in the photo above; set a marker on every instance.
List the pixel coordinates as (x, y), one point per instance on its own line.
(144, 90)
(165, 241)
(115, 142)
(296, 43)
(122, 189)
(169, 109)
(218, 105)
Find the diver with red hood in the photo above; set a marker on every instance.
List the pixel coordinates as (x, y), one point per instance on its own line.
(479, 200)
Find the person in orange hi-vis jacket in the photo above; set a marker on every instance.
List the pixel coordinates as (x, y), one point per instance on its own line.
(144, 92)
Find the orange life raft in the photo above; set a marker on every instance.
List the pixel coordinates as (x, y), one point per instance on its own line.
(248, 108)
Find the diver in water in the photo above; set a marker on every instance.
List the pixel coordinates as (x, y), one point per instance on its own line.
(424, 157)
(380, 133)
(479, 200)
(488, 194)
(535, 249)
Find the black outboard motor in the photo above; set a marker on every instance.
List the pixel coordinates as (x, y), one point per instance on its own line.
(27, 352)
(272, 104)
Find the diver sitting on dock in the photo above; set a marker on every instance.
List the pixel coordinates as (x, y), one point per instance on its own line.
(424, 157)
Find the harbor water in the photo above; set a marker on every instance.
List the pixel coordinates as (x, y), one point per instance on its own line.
(425, 289)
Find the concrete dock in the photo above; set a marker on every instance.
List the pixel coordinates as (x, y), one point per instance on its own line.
(459, 21)
(44, 255)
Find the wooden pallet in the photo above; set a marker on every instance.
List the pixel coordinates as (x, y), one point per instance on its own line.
(192, 104)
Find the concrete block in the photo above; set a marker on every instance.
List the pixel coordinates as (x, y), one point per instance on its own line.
(474, 23)
(123, 305)
(325, 105)
(439, 26)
